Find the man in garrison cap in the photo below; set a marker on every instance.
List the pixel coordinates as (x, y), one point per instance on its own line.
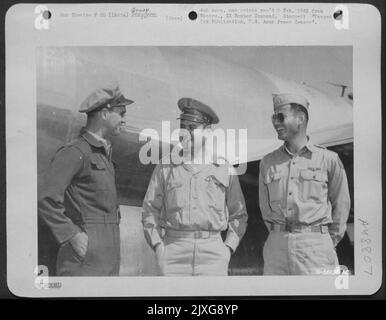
(189, 204)
(78, 200)
(303, 194)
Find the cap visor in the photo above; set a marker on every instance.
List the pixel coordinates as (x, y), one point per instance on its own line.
(126, 102)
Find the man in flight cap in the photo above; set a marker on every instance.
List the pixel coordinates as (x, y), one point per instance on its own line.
(78, 200)
(303, 194)
(187, 205)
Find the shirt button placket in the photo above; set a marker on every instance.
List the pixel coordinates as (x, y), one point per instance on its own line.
(290, 185)
(193, 195)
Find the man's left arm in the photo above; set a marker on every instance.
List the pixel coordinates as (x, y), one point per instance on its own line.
(339, 197)
(238, 217)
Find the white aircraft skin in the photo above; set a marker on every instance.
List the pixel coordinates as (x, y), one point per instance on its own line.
(155, 78)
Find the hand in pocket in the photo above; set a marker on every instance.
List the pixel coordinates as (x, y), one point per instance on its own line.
(229, 251)
(159, 251)
(79, 243)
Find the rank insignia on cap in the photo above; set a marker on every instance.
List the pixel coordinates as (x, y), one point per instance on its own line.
(108, 96)
(287, 98)
(194, 110)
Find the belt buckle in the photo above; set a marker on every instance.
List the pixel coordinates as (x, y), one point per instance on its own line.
(323, 229)
(288, 227)
(201, 234)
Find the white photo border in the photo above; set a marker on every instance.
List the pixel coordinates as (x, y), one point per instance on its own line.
(22, 39)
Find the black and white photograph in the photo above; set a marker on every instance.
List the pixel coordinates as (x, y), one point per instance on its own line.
(193, 150)
(101, 211)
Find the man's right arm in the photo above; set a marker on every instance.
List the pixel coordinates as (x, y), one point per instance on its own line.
(152, 208)
(66, 163)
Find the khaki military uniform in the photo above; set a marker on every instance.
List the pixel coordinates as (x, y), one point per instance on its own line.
(305, 203)
(79, 194)
(186, 207)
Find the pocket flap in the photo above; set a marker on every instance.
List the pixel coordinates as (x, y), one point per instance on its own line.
(219, 175)
(321, 176)
(218, 180)
(222, 179)
(173, 184)
(313, 175)
(272, 176)
(97, 162)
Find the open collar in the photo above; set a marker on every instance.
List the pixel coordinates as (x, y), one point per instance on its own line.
(310, 146)
(197, 168)
(96, 141)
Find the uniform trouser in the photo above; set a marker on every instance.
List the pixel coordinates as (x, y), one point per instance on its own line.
(102, 256)
(194, 257)
(306, 253)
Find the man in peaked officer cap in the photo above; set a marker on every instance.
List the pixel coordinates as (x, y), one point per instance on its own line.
(187, 205)
(78, 201)
(304, 197)
(196, 119)
(196, 111)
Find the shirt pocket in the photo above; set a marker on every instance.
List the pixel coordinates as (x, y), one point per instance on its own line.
(98, 173)
(175, 196)
(313, 185)
(274, 186)
(215, 193)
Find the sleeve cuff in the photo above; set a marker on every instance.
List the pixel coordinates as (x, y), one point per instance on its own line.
(65, 238)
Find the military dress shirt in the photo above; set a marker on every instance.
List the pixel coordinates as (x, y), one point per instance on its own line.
(78, 187)
(308, 188)
(194, 198)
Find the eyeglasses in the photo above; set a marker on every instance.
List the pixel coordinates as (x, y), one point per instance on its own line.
(280, 117)
(189, 127)
(120, 111)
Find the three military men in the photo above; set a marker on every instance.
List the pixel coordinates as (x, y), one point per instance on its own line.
(303, 196)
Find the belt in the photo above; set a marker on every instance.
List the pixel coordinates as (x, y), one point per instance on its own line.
(102, 219)
(191, 234)
(297, 228)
